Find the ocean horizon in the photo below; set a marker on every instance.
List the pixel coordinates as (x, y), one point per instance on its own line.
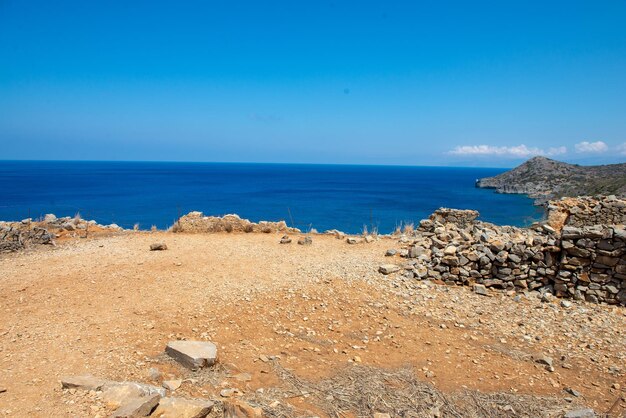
(349, 198)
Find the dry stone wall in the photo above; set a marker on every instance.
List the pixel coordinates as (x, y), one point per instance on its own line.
(586, 262)
(585, 211)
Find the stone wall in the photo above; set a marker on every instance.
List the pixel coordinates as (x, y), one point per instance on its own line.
(583, 263)
(456, 216)
(584, 211)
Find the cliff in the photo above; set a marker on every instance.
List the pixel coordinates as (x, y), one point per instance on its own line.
(543, 179)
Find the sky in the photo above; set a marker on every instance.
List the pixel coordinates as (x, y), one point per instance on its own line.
(344, 82)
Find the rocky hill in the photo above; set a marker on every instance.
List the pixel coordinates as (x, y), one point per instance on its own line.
(543, 179)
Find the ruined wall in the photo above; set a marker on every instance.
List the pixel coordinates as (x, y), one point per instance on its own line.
(583, 263)
(584, 211)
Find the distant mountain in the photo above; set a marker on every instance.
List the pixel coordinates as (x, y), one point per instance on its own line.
(543, 179)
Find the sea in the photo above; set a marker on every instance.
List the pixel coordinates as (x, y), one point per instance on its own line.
(349, 198)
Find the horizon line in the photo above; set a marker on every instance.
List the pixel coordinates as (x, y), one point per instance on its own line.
(247, 162)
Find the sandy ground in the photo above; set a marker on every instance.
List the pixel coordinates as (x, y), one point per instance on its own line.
(107, 306)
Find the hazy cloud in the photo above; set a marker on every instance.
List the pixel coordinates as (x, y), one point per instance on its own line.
(622, 148)
(557, 150)
(591, 147)
(519, 151)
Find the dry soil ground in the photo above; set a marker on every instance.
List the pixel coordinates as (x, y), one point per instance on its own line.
(107, 306)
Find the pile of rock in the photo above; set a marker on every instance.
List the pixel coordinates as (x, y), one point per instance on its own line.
(582, 263)
(196, 222)
(15, 237)
(18, 235)
(134, 399)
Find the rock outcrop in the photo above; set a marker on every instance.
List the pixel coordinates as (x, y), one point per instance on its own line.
(196, 222)
(576, 259)
(543, 179)
(15, 236)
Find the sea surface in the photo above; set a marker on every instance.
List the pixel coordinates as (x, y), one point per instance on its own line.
(345, 197)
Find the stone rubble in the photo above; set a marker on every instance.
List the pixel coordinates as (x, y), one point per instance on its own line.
(133, 399)
(16, 236)
(196, 222)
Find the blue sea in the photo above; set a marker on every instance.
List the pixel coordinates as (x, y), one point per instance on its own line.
(345, 197)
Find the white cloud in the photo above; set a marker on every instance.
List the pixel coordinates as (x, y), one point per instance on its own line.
(519, 151)
(557, 151)
(591, 147)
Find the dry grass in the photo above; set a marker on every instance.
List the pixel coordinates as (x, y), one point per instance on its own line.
(404, 228)
(364, 390)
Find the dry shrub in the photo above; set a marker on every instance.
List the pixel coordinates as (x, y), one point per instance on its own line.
(176, 227)
(363, 390)
(248, 228)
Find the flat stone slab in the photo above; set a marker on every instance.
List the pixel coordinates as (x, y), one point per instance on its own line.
(192, 354)
(137, 407)
(581, 413)
(117, 394)
(182, 408)
(85, 382)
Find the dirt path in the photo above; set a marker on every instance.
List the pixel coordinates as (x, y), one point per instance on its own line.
(107, 306)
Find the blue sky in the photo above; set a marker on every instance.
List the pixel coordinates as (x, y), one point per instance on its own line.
(417, 83)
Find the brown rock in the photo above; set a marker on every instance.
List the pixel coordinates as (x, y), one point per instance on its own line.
(85, 382)
(118, 394)
(234, 408)
(182, 408)
(159, 246)
(137, 407)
